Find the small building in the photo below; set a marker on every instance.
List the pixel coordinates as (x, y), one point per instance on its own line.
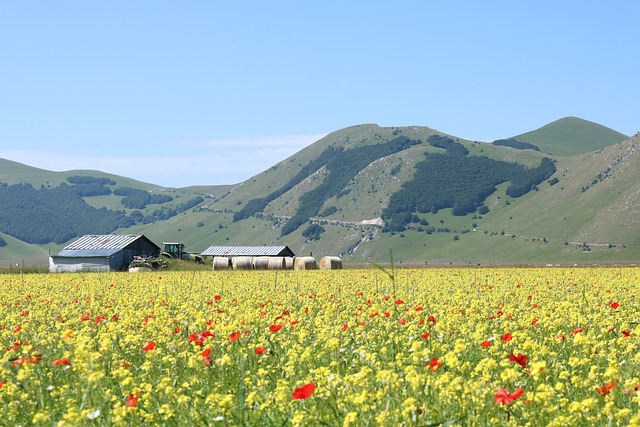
(250, 251)
(249, 257)
(102, 252)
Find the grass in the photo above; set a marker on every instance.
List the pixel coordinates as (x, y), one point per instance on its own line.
(570, 136)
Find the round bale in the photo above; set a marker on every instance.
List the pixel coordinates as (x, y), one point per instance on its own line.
(220, 263)
(330, 263)
(305, 263)
(276, 263)
(288, 263)
(241, 263)
(260, 262)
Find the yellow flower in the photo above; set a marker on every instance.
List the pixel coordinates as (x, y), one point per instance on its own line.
(40, 418)
(349, 419)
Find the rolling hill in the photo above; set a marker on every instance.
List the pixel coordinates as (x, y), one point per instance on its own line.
(565, 193)
(570, 136)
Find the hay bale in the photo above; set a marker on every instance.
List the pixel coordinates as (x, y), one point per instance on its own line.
(305, 263)
(260, 262)
(288, 263)
(241, 263)
(221, 263)
(276, 263)
(330, 263)
(138, 269)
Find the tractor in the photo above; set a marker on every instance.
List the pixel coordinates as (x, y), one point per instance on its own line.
(175, 250)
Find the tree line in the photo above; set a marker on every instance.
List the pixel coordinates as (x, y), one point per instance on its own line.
(59, 214)
(458, 181)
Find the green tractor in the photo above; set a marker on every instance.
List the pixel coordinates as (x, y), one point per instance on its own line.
(175, 250)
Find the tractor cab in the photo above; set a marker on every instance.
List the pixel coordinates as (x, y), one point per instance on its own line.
(174, 250)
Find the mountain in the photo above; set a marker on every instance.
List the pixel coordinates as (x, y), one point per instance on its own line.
(368, 193)
(570, 136)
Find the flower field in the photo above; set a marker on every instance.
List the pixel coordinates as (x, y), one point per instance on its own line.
(469, 347)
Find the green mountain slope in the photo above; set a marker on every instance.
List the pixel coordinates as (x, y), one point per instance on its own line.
(361, 197)
(528, 229)
(570, 136)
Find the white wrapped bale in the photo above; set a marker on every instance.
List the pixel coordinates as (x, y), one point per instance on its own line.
(276, 263)
(220, 263)
(241, 263)
(260, 263)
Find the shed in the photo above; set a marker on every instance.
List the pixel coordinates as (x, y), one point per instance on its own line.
(102, 252)
(250, 251)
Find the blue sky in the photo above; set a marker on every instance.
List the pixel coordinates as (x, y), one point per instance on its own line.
(210, 92)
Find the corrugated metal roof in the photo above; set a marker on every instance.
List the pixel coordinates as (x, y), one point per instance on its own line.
(87, 253)
(102, 241)
(246, 251)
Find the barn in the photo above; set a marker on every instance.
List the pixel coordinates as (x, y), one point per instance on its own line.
(249, 257)
(102, 252)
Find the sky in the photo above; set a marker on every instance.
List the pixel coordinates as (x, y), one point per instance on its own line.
(205, 92)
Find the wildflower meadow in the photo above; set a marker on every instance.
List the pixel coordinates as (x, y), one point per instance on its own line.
(424, 347)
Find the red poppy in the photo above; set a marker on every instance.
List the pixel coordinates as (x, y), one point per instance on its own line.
(425, 335)
(373, 314)
(505, 398)
(132, 401)
(485, 343)
(434, 364)
(276, 327)
(205, 357)
(99, 318)
(345, 326)
(506, 337)
(402, 321)
(576, 331)
(17, 329)
(303, 392)
(399, 301)
(260, 350)
(149, 346)
(626, 333)
(432, 319)
(19, 361)
(606, 388)
(59, 362)
(520, 359)
(85, 317)
(234, 336)
(615, 305)
(34, 359)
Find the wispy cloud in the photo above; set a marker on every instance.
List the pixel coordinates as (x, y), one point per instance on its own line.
(208, 162)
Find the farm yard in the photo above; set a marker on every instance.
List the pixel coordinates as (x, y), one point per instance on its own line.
(355, 347)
